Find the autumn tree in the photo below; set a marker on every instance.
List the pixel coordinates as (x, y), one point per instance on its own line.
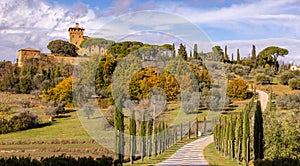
(61, 92)
(237, 89)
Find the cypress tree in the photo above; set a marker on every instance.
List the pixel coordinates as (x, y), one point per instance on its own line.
(258, 133)
(232, 135)
(182, 51)
(189, 131)
(238, 59)
(246, 133)
(181, 134)
(155, 141)
(226, 58)
(149, 138)
(119, 133)
(238, 136)
(173, 51)
(132, 131)
(196, 128)
(253, 56)
(204, 125)
(232, 58)
(142, 136)
(195, 51)
(160, 137)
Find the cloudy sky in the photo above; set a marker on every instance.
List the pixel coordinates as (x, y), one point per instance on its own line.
(236, 23)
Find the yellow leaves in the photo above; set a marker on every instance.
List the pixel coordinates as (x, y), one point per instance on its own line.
(61, 92)
(237, 89)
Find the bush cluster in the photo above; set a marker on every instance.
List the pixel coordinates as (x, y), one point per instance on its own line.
(23, 121)
(61, 160)
(289, 101)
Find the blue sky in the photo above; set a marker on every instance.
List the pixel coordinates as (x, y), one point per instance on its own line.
(33, 23)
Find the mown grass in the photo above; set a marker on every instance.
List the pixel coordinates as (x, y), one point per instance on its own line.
(216, 159)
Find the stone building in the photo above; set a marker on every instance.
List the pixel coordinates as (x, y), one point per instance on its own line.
(27, 53)
(76, 35)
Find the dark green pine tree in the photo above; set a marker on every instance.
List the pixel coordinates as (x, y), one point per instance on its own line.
(196, 128)
(258, 133)
(182, 52)
(149, 138)
(132, 132)
(142, 137)
(119, 133)
(232, 58)
(238, 136)
(238, 58)
(173, 51)
(232, 135)
(196, 51)
(253, 57)
(225, 58)
(246, 134)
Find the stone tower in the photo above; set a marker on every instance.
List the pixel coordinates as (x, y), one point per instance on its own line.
(76, 35)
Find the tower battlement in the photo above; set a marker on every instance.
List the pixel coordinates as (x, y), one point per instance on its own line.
(76, 35)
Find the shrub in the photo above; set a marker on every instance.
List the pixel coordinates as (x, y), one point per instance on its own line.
(285, 77)
(238, 89)
(262, 79)
(288, 101)
(294, 83)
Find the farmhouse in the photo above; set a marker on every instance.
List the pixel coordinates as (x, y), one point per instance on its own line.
(294, 68)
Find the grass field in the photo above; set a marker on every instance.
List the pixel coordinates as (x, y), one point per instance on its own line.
(65, 135)
(216, 159)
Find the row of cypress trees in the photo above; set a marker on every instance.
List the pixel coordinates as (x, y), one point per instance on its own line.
(153, 140)
(232, 134)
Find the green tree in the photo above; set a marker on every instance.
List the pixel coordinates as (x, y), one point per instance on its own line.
(173, 51)
(253, 56)
(142, 136)
(196, 51)
(225, 57)
(258, 133)
(238, 59)
(238, 136)
(182, 52)
(132, 132)
(61, 47)
(149, 138)
(246, 134)
(269, 55)
(119, 133)
(196, 128)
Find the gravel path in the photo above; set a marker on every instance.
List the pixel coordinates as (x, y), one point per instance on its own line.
(263, 97)
(190, 154)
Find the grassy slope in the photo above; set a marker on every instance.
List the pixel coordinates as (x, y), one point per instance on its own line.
(214, 158)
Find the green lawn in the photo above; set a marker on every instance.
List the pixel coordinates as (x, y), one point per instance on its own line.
(216, 159)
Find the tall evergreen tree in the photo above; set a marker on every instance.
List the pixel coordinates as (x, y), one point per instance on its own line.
(258, 133)
(225, 58)
(142, 136)
(196, 128)
(149, 137)
(173, 51)
(246, 134)
(196, 51)
(232, 58)
(119, 133)
(182, 52)
(253, 57)
(238, 136)
(238, 59)
(132, 132)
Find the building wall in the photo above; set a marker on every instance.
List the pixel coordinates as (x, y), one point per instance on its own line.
(76, 35)
(24, 54)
